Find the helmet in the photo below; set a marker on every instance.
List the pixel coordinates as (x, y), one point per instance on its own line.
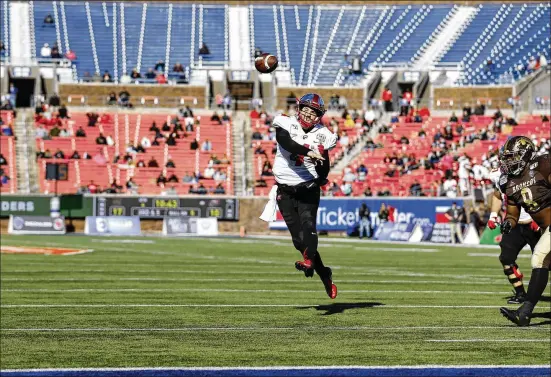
(515, 154)
(313, 101)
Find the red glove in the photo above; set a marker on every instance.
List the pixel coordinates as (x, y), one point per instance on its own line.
(534, 226)
(494, 221)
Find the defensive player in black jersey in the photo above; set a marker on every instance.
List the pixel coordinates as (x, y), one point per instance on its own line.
(526, 182)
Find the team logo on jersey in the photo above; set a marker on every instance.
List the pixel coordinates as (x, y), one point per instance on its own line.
(531, 173)
(320, 138)
(502, 180)
(304, 136)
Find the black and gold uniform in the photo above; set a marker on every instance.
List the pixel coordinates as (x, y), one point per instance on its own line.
(527, 183)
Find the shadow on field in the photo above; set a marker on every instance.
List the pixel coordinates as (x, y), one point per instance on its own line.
(341, 307)
(541, 315)
(545, 298)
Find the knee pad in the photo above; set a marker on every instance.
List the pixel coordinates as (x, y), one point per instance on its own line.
(512, 271)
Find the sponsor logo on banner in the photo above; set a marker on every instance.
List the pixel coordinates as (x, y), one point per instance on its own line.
(36, 225)
(190, 226)
(394, 231)
(336, 214)
(113, 225)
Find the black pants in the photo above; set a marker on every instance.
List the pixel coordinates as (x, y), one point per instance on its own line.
(511, 244)
(299, 207)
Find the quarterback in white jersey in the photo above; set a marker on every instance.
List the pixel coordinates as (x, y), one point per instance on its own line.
(292, 168)
(526, 232)
(301, 166)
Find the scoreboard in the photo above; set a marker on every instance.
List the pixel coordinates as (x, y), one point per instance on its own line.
(151, 207)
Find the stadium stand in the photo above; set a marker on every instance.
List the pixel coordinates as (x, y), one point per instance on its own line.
(124, 133)
(119, 37)
(8, 166)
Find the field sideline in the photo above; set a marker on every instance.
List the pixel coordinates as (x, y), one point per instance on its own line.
(232, 303)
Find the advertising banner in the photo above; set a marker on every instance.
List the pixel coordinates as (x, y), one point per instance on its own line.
(182, 226)
(113, 226)
(491, 236)
(337, 214)
(159, 207)
(394, 231)
(36, 225)
(40, 205)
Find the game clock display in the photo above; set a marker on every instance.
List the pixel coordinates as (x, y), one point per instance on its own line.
(160, 207)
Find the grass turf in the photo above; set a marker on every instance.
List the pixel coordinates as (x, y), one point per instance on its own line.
(235, 302)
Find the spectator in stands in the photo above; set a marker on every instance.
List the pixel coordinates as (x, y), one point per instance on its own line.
(467, 109)
(349, 122)
(343, 139)
(260, 150)
(387, 100)
(135, 74)
(48, 20)
(226, 101)
(71, 55)
(267, 169)
(4, 179)
(368, 192)
(194, 145)
(466, 117)
(219, 189)
(101, 140)
(131, 185)
(404, 140)
(226, 117)
(225, 160)
(171, 140)
(161, 180)
(532, 65)
(150, 74)
(384, 192)
(346, 189)
(92, 119)
(65, 132)
(178, 67)
(161, 79)
(449, 187)
(394, 118)
(2, 49)
(152, 163)
(141, 163)
(369, 117)
(46, 51)
(124, 98)
(63, 113)
(201, 190)
(106, 77)
(75, 156)
(55, 131)
(204, 50)
(41, 133)
(188, 178)
(256, 134)
(361, 171)
(173, 178)
(12, 92)
(219, 175)
(7, 130)
(209, 172)
(3, 160)
(159, 66)
(206, 146)
(511, 121)
(170, 163)
(92, 187)
(216, 118)
(415, 189)
(349, 176)
(417, 118)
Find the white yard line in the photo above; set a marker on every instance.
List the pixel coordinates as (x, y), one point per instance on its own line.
(281, 368)
(229, 290)
(488, 340)
(496, 255)
(329, 328)
(302, 305)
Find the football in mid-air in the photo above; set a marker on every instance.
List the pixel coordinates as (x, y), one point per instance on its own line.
(266, 63)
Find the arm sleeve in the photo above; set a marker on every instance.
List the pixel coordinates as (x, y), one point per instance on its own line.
(323, 168)
(284, 139)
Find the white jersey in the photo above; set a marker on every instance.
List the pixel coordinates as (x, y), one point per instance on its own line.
(290, 169)
(450, 188)
(495, 176)
(464, 169)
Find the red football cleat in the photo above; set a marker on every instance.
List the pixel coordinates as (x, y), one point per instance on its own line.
(304, 265)
(330, 288)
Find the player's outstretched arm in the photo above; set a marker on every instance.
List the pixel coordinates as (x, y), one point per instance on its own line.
(283, 138)
(494, 219)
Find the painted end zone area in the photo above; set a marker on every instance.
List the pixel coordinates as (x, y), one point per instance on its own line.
(42, 250)
(417, 371)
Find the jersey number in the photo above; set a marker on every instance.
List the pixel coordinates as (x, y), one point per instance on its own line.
(528, 198)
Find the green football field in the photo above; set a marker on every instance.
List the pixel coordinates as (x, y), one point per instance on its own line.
(151, 302)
